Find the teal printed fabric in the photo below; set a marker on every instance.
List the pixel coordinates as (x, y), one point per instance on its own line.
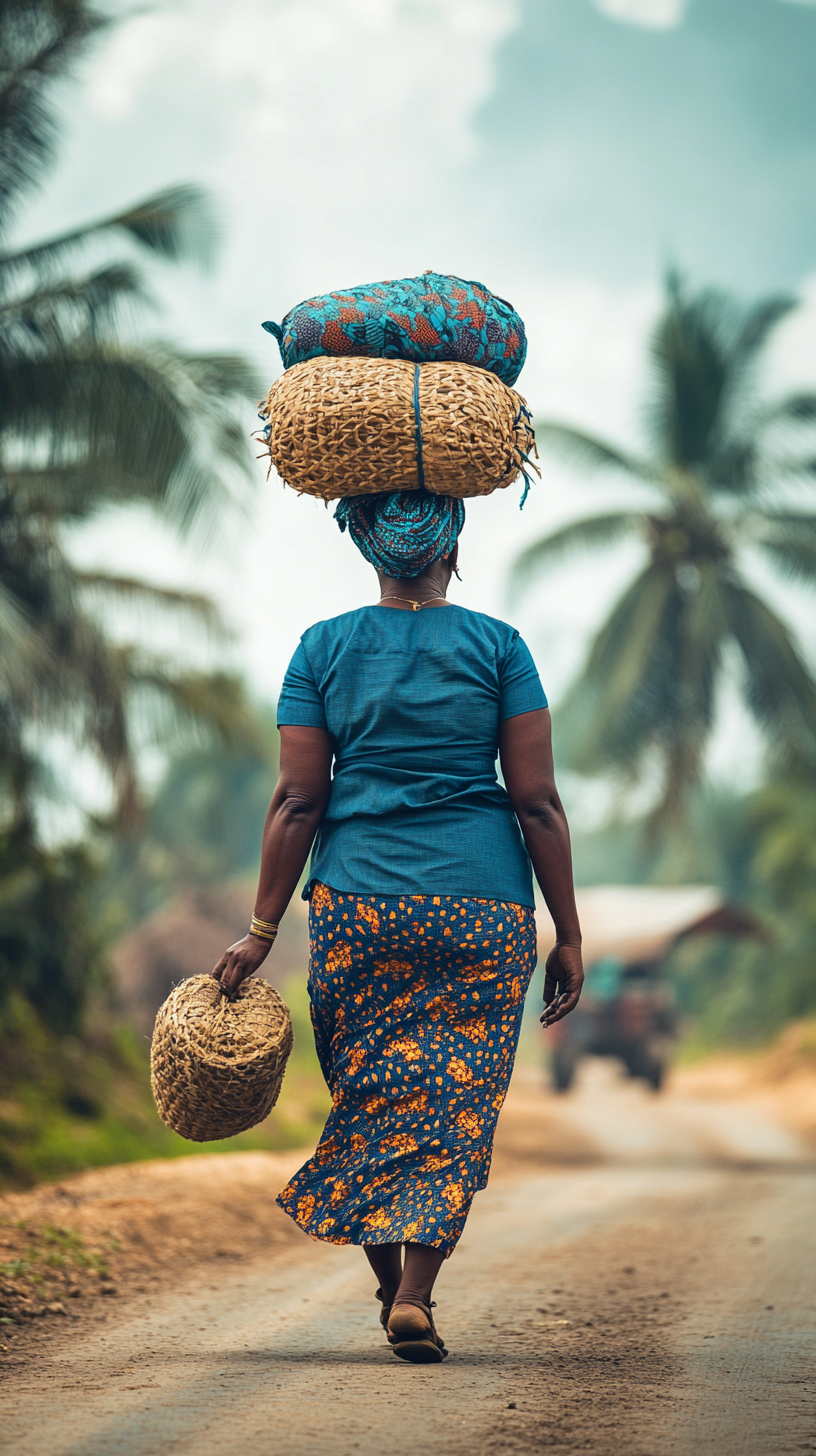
(429, 319)
(416, 1005)
(404, 532)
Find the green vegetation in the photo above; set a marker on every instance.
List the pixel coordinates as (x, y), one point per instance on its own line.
(720, 480)
(727, 474)
(203, 824)
(57, 1248)
(95, 416)
(46, 1263)
(74, 1102)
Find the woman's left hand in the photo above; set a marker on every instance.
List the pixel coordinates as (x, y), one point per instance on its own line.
(563, 979)
(241, 960)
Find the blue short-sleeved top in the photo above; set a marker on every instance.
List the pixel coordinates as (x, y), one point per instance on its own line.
(413, 703)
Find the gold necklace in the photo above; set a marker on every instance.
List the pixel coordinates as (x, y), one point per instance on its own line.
(415, 605)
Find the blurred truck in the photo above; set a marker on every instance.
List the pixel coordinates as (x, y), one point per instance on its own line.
(627, 1009)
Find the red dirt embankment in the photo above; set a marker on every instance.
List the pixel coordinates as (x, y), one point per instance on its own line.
(134, 1226)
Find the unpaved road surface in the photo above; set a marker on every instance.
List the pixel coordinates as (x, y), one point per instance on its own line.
(638, 1279)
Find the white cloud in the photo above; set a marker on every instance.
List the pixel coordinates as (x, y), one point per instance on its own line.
(654, 14)
(332, 70)
(330, 131)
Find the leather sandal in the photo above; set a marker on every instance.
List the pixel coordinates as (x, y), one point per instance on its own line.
(385, 1311)
(412, 1333)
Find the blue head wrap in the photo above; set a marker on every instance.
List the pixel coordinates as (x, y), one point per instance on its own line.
(404, 531)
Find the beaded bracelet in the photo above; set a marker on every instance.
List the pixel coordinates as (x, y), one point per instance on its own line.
(264, 929)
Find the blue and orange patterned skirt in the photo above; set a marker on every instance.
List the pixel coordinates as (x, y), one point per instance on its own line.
(416, 1005)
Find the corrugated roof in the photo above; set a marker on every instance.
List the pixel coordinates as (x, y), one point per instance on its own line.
(636, 922)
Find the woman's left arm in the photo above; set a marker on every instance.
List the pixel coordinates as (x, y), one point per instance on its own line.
(525, 746)
(298, 805)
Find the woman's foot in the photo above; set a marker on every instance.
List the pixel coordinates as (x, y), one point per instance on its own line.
(412, 1333)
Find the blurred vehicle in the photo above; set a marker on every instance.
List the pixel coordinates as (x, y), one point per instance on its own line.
(627, 1009)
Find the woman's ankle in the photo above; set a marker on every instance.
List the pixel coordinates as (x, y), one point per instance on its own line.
(410, 1294)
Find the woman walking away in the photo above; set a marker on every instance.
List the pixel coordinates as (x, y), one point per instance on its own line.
(422, 929)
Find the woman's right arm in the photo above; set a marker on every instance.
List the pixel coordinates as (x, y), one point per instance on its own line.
(298, 805)
(525, 749)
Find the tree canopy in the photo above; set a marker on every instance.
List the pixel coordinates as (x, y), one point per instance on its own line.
(95, 414)
(722, 476)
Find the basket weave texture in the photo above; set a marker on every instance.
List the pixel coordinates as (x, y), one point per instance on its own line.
(341, 427)
(216, 1066)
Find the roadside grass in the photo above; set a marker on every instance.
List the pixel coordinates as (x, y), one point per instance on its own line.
(72, 1103)
(45, 1266)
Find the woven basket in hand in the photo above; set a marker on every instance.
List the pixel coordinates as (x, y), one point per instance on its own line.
(216, 1066)
(339, 427)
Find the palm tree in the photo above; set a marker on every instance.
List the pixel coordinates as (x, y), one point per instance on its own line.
(92, 417)
(718, 480)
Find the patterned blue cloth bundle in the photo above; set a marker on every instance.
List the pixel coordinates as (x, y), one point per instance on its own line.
(426, 320)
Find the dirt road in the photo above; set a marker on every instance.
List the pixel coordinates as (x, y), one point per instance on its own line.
(639, 1279)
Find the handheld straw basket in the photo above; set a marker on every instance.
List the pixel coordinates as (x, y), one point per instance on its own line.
(340, 427)
(216, 1066)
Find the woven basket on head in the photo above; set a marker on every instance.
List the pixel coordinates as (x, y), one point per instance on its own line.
(216, 1066)
(338, 427)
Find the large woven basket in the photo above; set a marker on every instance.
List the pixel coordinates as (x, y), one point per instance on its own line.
(339, 427)
(216, 1066)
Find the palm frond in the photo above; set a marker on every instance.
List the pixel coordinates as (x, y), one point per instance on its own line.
(789, 423)
(692, 668)
(591, 533)
(704, 348)
(734, 465)
(24, 652)
(579, 448)
(170, 703)
(66, 493)
(53, 317)
(780, 689)
(605, 708)
(647, 693)
(80, 694)
(788, 539)
(176, 224)
(799, 408)
(690, 363)
(106, 587)
(756, 326)
(38, 43)
(153, 415)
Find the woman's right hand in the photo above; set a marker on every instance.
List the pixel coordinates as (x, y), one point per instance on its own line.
(241, 960)
(563, 979)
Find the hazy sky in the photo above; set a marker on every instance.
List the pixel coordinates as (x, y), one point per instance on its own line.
(693, 139)
(563, 151)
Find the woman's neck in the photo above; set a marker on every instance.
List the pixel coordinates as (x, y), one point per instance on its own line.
(427, 588)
